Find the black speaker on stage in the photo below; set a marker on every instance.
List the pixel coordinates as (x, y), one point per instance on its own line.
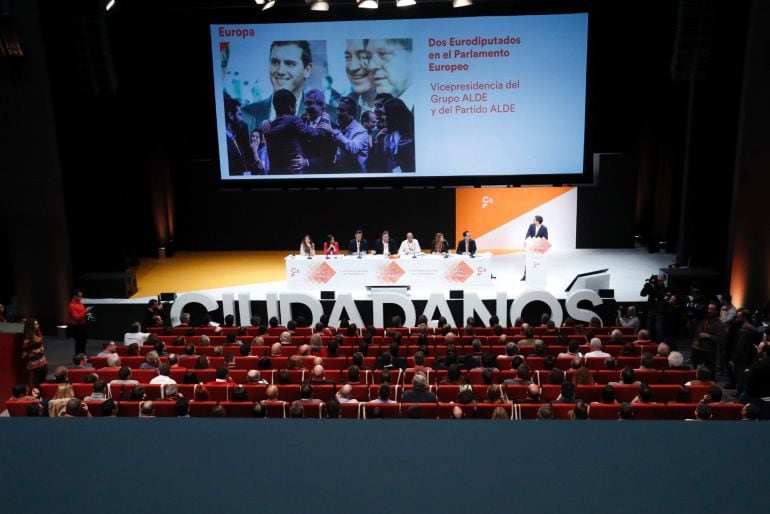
(114, 284)
(606, 293)
(327, 295)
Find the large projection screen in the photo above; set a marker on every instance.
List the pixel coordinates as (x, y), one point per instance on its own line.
(474, 100)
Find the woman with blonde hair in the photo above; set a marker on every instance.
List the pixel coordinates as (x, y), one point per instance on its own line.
(307, 247)
(440, 245)
(33, 353)
(58, 404)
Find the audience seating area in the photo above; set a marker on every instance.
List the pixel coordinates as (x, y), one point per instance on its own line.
(665, 383)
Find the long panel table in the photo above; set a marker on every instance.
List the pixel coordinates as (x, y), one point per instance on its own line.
(350, 272)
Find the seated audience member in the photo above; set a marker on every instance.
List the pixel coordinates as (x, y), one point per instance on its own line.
(608, 395)
(419, 392)
(306, 394)
(135, 335)
(99, 393)
(556, 377)
(713, 395)
(163, 375)
(567, 393)
(343, 395)
(625, 411)
(644, 395)
(545, 412)
(124, 377)
(80, 361)
(533, 394)
(572, 351)
(332, 409)
(703, 412)
(646, 362)
(583, 376)
(253, 376)
(108, 348)
(703, 376)
(75, 408)
(579, 411)
(21, 393)
(58, 404)
(151, 360)
(60, 375)
(222, 377)
(132, 350)
(676, 360)
(596, 349)
(663, 350)
(627, 377)
(383, 394)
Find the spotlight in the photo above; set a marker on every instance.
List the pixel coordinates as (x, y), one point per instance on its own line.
(405, 3)
(259, 2)
(318, 5)
(268, 5)
(367, 4)
(461, 3)
(109, 5)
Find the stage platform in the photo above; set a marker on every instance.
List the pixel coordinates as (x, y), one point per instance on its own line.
(258, 273)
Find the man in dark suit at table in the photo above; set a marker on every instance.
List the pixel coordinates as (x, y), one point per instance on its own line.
(466, 246)
(385, 243)
(358, 245)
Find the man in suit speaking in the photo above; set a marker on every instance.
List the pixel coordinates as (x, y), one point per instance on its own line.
(466, 246)
(536, 229)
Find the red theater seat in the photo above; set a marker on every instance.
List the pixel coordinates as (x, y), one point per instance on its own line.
(649, 410)
(603, 411)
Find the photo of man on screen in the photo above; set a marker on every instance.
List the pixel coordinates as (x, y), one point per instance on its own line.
(390, 64)
(290, 65)
(361, 83)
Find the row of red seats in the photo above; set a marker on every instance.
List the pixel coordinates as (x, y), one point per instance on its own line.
(340, 376)
(404, 350)
(338, 363)
(307, 331)
(384, 340)
(279, 409)
(364, 393)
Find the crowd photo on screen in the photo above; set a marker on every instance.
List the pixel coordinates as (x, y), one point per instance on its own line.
(302, 129)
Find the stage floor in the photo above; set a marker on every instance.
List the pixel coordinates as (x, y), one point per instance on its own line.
(258, 273)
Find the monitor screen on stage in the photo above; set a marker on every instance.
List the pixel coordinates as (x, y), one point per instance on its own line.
(455, 100)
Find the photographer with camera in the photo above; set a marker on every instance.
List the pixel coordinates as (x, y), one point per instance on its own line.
(655, 290)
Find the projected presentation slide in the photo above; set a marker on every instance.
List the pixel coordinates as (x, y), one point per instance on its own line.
(459, 97)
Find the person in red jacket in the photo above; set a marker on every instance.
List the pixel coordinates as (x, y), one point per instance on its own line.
(77, 325)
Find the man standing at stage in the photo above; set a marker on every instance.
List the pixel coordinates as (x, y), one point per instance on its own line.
(78, 317)
(709, 334)
(291, 63)
(536, 229)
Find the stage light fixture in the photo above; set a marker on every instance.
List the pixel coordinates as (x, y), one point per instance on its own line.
(405, 3)
(259, 2)
(268, 5)
(461, 3)
(318, 5)
(110, 5)
(367, 4)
